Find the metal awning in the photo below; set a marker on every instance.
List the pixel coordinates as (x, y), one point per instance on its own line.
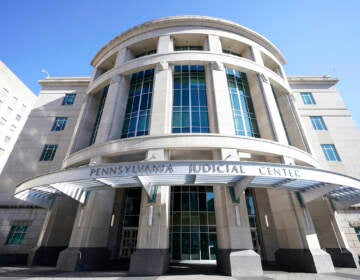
(311, 183)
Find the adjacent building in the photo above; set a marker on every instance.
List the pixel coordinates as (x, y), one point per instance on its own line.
(16, 101)
(188, 144)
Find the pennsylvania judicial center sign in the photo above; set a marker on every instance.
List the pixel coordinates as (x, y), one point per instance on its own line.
(194, 168)
(77, 181)
(219, 168)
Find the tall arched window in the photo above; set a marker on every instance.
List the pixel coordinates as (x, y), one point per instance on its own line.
(241, 103)
(190, 111)
(138, 109)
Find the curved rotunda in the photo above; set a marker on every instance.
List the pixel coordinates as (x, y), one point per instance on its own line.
(189, 148)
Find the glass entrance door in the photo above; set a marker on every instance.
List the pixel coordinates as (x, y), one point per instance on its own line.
(130, 222)
(192, 223)
(253, 222)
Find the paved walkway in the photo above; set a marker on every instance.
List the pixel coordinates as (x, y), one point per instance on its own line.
(50, 273)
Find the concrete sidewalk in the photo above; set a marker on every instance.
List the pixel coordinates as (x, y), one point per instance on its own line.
(51, 273)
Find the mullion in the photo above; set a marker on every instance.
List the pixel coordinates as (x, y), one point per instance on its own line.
(241, 106)
(139, 104)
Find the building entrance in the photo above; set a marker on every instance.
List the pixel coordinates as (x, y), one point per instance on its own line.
(130, 222)
(192, 223)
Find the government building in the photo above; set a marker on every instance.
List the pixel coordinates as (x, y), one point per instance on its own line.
(16, 101)
(188, 144)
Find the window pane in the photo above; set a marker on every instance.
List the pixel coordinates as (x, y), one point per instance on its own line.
(101, 105)
(190, 234)
(242, 106)
(307, 98)
(318, 123)
(69, 99)
(16, 234)
(330, 152)
(138, 106)
(48, 152)
(59, 124)
(189, 100)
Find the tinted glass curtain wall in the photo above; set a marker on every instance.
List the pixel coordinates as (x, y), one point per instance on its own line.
(190, 111)
(241, 103)
(138, 107)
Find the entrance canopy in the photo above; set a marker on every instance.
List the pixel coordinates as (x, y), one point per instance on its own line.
(311, 183)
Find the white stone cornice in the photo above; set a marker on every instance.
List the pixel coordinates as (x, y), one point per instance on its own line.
(190, 141)
(176, 21)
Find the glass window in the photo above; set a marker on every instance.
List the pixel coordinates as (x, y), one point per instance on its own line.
(48, 152)
(9, 110)
(357, 230)
(190, 110)
(192, 223)
(59, 124)
(18, 117)
(242, 107)
(99, 114)
(307, 98)
(145, 53)
(7, 139)
(130, 222)
(4, 92)
(318, 123)
(14, 100)
(231, 52)
(69, 99)
(3, 121)
(138, 108)
(16, 235)
(188, 48)
(330, 152)
(255, 234)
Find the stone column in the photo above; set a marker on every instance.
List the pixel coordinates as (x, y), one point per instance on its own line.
(84, 124)
(330, 235)
(114, 110)
(152, 249)
(88, 243)
(235, 254)
(161, 100)
(224, 123)
(270, 102)
(56, 232)
(299, 248)
(162, 91)
(89, 239)
(165, 44)
(297, 135)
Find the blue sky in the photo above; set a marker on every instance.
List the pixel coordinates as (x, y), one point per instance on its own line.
(317, 37)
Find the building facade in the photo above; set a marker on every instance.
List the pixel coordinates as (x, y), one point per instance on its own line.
(187, 144)
(16, 101)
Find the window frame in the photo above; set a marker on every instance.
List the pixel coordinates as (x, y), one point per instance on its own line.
(16, 235)
(307, 98)
(318, 123)
(139, 104)
(242, 106)
(69, 99)
(188, 48)
(48, 152)
(190, 109)
(59, 124)
(357, 231)
(330, 152)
